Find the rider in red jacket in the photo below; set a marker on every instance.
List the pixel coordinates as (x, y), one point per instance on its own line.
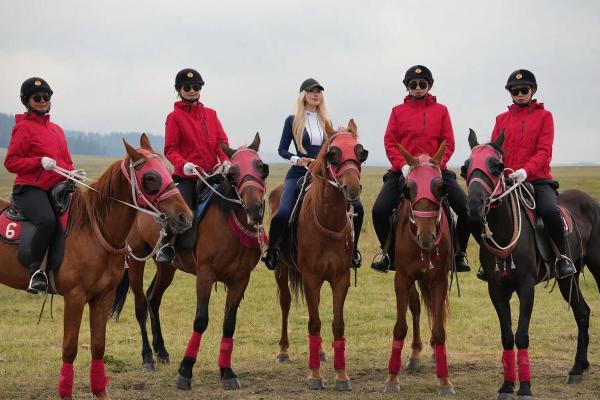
(420, 125)
(193, 137)
(36, 147)
(528, 137)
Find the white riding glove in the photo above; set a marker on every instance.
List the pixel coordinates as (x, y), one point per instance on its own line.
(48, 163)
(79, 174)
(405, 170)
(189, 169)
(519, 175)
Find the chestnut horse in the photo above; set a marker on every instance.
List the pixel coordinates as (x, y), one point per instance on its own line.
(95, 251)
(423, 255)
(513, 264)
(324, 247)
(219, 256)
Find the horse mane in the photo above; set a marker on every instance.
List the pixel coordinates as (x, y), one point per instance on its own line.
(100, 204)
(226, 189)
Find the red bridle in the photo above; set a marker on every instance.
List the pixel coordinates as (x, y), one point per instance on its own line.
(246, 159)
(480, 156)
(346, 142)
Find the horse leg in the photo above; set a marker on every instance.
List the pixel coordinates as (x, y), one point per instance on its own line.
(136, 283)
(203, 289)
(312, 293)
(162, 280)
(99, 309)
(235, 291)
(439, 293)
(285, 300)
(501, 301)
(414, 304)
(581, 312)
(403, 287)
(526, 294)
(73, 312)
(340, 291)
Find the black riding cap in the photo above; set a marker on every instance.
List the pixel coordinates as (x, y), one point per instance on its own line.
(521, 77)
(187, 76)
(34, 85)
(418, 71)
(310, 84)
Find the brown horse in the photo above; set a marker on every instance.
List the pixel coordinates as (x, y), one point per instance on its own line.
(423, 255)
(324, 248)
(220, 255)
(95, 251)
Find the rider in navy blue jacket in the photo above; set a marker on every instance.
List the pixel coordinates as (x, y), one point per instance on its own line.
(306, 128)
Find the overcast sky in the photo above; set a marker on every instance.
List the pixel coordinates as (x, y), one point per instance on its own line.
(112, 63)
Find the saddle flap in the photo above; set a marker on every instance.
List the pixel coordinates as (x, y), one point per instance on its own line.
(60, 196)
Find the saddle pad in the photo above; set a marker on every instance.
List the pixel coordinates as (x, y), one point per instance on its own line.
(11, 220)
(202, 206)
(536, 222)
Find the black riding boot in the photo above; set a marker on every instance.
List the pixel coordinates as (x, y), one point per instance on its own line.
(564, 267)
(38, 281)
(356, 256)
(166, 252)
(271, 256)
(461, 262)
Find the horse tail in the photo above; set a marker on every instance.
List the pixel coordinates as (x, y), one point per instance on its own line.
(296, 285)
(426, 296)
(120, 296)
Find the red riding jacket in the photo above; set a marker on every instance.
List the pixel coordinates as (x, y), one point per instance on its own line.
(34, 137)
(193, 133)
(420, 126)
(528, 139)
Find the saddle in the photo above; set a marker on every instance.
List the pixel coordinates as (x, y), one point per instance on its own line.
(543, 241)
(16, 229)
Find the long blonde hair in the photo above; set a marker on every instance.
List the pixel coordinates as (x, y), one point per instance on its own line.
(300, 118)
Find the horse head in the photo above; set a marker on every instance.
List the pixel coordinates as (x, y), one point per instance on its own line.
(247, 175)
(152, 186)
(424, 191)
(483, 172)
(344, 156)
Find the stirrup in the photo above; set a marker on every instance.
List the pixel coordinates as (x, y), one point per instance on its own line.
(384, 258)
(570, 264)
(165, 254)
(271, 258)
(356, 261)
(36, 290)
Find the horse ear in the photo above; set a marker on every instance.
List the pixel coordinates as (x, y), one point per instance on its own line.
(500, 140)
(329, 129)
(410, 160)
(473, 139)
(133, 154)
(352, 128)
(437, 158)
(255, 143)
(227, 150)
(145, 143)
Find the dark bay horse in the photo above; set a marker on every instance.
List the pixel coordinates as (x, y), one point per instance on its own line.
(424, 255)
(324, 248)
(95, 251)
(512, 262)
(220, 255)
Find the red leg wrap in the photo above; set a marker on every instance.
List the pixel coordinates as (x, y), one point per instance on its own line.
(98, 378)
(314, 351)
(225, 352)
(524, 367)
(339, 356)
(508, 365)
(193, 345)
(441, 361)
(396, 357)
(65, 380)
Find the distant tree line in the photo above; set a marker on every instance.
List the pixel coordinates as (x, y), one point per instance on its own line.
(89, 143)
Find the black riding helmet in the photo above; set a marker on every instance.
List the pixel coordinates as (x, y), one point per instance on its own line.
(34, 85)
(418, 71)
(187, 76)
(521, 77)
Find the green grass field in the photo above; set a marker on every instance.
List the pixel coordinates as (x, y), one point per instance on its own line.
(30, 355)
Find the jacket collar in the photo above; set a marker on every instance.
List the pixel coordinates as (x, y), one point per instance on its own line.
(188, 107)
(42, 119)
(424, 102)
(533, 105)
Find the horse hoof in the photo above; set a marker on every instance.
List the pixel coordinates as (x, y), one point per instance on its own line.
(282, 358)
(232, 384)
(323, 356)
(183, 383)
(391, 387)
(316, 384)
(413, 365)
(164, 359)
(571, 379)
(524, 397)
(148, 367)
(343, 386)
(446, 390)
(504, 396)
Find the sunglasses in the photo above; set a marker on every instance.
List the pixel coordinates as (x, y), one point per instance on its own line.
(39, 97)
(521, 90)
(195, 87)
(420, 84)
